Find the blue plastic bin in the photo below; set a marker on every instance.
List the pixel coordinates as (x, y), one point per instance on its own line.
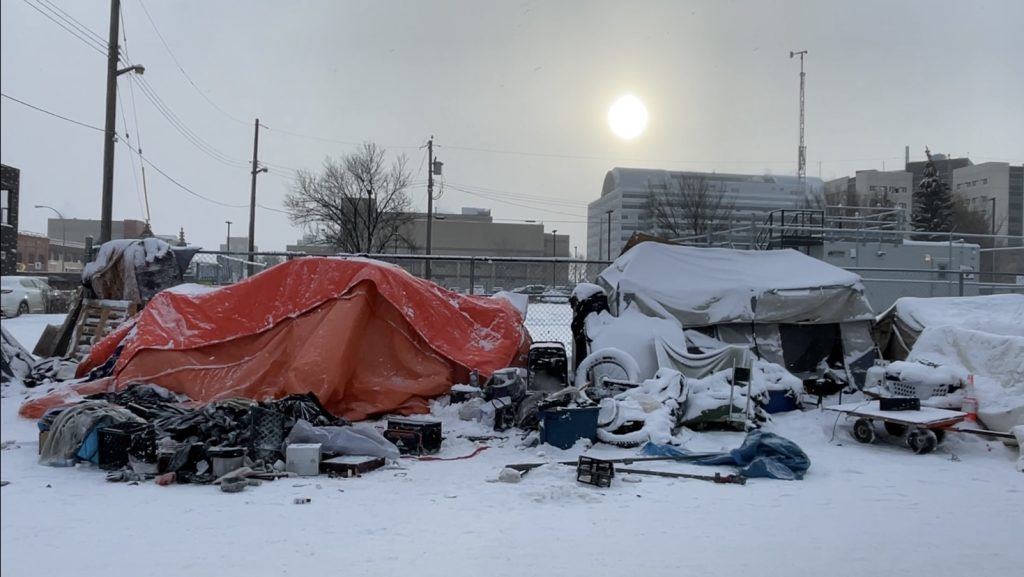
(563, 427)
(780, 402)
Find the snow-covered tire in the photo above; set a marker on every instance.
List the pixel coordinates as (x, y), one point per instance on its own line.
(22, 309)
(863, 431)
(609, 355)
(625, 440)
(922, 441)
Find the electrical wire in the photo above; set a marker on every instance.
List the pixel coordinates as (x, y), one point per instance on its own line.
(509, 202)
(54, 114)
(180, 185)
(91, 43)
(60, 13)
(182, 69)
(127, 137)
(569, 204)
(183, 129)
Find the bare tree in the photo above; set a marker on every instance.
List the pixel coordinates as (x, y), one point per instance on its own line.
(686, 206)
(356, 204)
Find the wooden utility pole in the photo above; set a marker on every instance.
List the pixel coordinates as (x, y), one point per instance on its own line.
(252, 201)
(430, 205)
(109, 129)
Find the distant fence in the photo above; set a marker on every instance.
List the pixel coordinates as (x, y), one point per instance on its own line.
(549, 281)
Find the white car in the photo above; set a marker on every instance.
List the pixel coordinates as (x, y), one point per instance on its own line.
(23, 294)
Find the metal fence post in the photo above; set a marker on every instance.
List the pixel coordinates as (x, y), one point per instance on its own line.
(961, 283)
(472, 275)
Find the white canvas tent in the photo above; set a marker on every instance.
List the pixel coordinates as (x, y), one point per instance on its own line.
(790, 308)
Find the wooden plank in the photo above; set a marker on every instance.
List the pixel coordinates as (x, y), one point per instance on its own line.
(925, 417)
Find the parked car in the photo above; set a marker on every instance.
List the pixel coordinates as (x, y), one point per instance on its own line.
(23, 294)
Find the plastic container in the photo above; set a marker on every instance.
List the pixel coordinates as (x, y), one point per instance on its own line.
(303, 459)
(780, 402)
(562, 427)
(225, 459)
(116, 442)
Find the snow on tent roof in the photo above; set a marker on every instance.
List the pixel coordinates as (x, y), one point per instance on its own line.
(997, 314)
(709, 286)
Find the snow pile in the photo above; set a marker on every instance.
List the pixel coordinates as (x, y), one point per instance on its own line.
(996, 361)
(996, 314)
(654, 403)
(191, 289)
(635, 333)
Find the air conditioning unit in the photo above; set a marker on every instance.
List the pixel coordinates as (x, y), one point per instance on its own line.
(38, 265)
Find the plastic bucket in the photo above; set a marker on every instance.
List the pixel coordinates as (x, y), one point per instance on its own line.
(563, 427)
(225, 459)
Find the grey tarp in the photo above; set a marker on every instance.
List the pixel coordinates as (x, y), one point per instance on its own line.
(715, 286)
(699, 365)
(746, 297)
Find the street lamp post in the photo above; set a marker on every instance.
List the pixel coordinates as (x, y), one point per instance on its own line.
(63, 235)
(992, 259)
(227, 249)
(609, 213)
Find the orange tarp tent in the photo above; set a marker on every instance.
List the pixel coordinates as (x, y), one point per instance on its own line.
(366, 337)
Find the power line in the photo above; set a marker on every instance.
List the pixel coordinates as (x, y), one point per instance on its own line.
(334, 140)
(272, 209)
(518, 196)
(182, 69)
(182, 186)
(189, 135)
(60, 13)
(54, 114)
(127, 137)
(497, 199)
(140, 155)
(87, 41)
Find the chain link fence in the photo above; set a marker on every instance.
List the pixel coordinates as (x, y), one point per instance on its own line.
(548, 282)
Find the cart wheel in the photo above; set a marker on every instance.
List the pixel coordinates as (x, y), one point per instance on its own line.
(895, 429)
(940, 435)
(863, 431)
(922, 441)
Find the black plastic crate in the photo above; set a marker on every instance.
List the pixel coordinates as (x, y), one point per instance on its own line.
(899, 404)
(413, 436)
(596, 472)
(266, 434)
(119, 441)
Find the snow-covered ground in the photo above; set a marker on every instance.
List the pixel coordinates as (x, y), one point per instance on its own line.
(861, 510)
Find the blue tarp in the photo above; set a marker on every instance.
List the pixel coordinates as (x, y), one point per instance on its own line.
(761, 455)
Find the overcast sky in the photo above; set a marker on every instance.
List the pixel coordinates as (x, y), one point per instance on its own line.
(515, 93)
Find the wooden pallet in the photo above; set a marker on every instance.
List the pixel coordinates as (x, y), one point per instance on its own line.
(97, 319)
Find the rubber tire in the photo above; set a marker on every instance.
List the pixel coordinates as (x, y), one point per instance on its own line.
(922, 441)
(22, 309)
(940, 436)
(895, 429)
(611, 356)
(863, 431)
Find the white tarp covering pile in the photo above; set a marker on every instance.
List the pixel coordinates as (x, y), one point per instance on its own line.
(981, 336)
(765, 301)
(714, 286)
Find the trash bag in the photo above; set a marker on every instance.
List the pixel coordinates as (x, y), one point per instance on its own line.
(761, 455)
(357, 439)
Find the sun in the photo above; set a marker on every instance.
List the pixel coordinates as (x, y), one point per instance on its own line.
(627, 117)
